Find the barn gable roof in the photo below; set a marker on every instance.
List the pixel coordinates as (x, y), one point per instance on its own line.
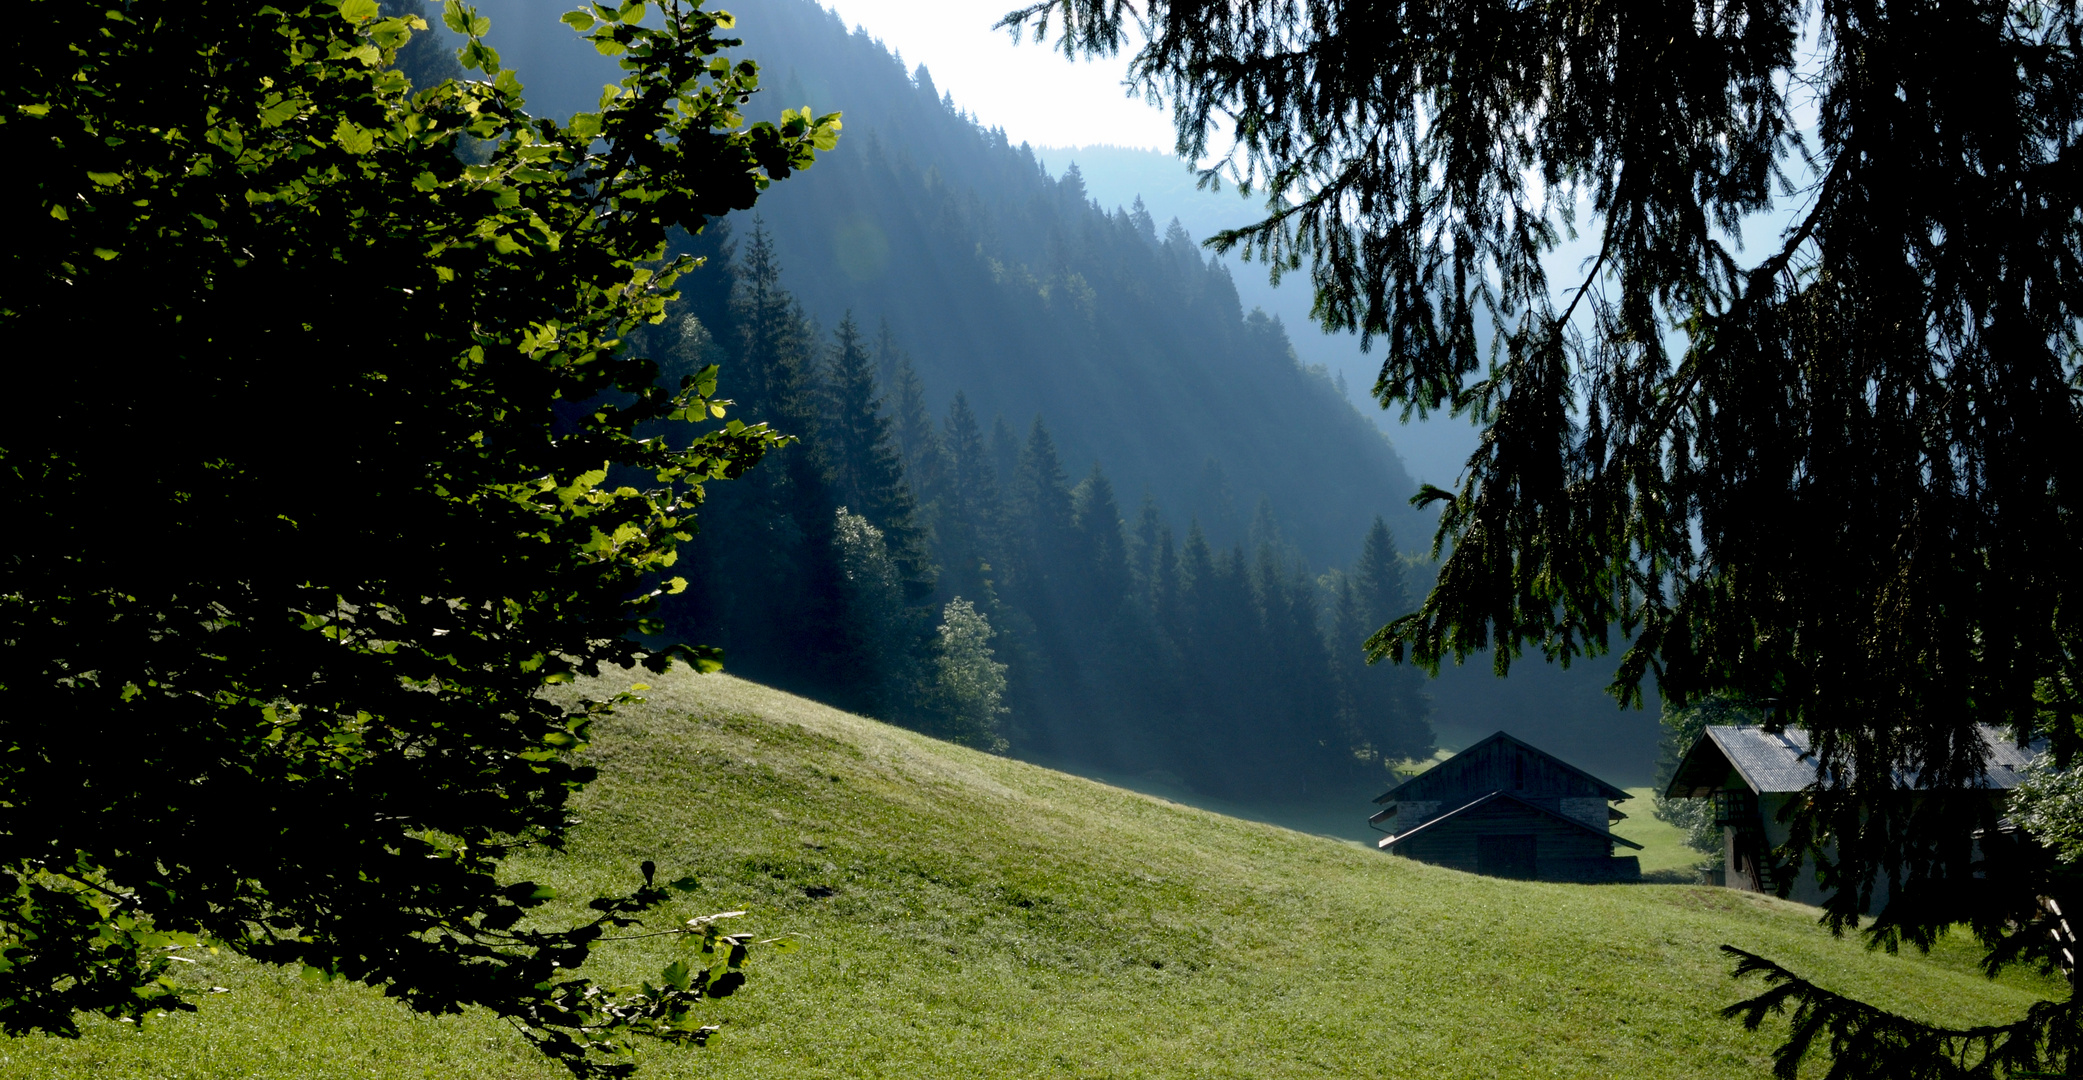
(1390, 841)
(1777, 762)
(1418, 787)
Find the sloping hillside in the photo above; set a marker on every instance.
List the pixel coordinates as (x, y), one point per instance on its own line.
(1011, 286)
(966, 915)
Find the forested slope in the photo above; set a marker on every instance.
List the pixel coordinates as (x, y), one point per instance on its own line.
(998, 283)
(1013, 287)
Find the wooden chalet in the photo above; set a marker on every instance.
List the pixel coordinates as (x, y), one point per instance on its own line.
(1507, 809)
(1752, 773)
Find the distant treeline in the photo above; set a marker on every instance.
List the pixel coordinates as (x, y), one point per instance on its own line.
(951, 577)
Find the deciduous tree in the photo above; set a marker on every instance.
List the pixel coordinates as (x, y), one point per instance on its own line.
(315, 501)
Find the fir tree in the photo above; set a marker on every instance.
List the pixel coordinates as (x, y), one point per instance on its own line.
(1042, 546)
(918, 443)
(1850, 491)
(1383, 588)
(969, 514)
(767, 577)
(867, 473)
(775, 342)
(1101, 578)
(1386, 701)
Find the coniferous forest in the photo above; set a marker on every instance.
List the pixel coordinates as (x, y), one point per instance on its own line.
(1055, 491)
(954, 573)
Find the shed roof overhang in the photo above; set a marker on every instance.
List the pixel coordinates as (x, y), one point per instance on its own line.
(1390, 841)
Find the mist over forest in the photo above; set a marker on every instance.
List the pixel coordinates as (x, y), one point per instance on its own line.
(995, 274)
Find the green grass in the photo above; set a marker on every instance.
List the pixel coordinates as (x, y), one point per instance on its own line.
(1664, 850)
(992, 918)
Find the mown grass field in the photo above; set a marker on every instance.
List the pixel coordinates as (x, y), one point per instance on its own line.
(987, 917)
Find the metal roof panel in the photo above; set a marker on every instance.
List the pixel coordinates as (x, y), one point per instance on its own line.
(1773, 762)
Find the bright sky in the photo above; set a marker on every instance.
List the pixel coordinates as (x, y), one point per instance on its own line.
(1030, 90)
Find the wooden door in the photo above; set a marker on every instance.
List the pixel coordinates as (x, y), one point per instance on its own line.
(1506, 856)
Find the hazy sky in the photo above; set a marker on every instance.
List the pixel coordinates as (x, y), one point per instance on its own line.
(1032, 92)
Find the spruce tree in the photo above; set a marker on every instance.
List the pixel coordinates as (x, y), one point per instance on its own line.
(1387, 700)
(769, 580)
(860, 449)
(1164, 584)
(969, 515)
(1042, 546)
(1196, 585)
(1143, 551)
(1005, 452)
(1100, 574)
(918, 442)
(776, 346)
(1381, 585)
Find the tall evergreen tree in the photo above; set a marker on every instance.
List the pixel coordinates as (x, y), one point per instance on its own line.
(1196, 584)
(969, 514)
(1041, 548)
(1382, 586)
(769, 580)
(1041, 507)
(1005, 452)
(776, 346)
(1386, 702)
(866, 471)
(1100, 577)
(919, 445)
(1164, 579)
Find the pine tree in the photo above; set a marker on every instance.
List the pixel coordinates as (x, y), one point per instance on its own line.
(969, 514)
(1851, 487)
(860, 449)
(918, 442)
(1139, 218)
(767, 577)
(775, 342)
(1101, 579)
(1383, 587)
(1164, 582)
(1042, 547)
(1196, 585)
(1386, 701)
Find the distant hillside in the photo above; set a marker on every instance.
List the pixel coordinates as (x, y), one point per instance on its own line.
(961, 915)
(1433, 450)
(1013, 287)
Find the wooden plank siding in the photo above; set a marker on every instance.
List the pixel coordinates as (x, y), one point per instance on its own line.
(1501, 795)
(1503, 765)
(1558, 846)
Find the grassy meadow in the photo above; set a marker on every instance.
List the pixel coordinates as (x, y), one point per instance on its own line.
(958, 914)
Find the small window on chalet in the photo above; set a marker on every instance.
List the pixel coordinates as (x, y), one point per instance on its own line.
(1518, 770)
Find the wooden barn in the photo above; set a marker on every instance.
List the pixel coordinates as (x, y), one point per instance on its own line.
(1752, 774)
(1507, 809)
